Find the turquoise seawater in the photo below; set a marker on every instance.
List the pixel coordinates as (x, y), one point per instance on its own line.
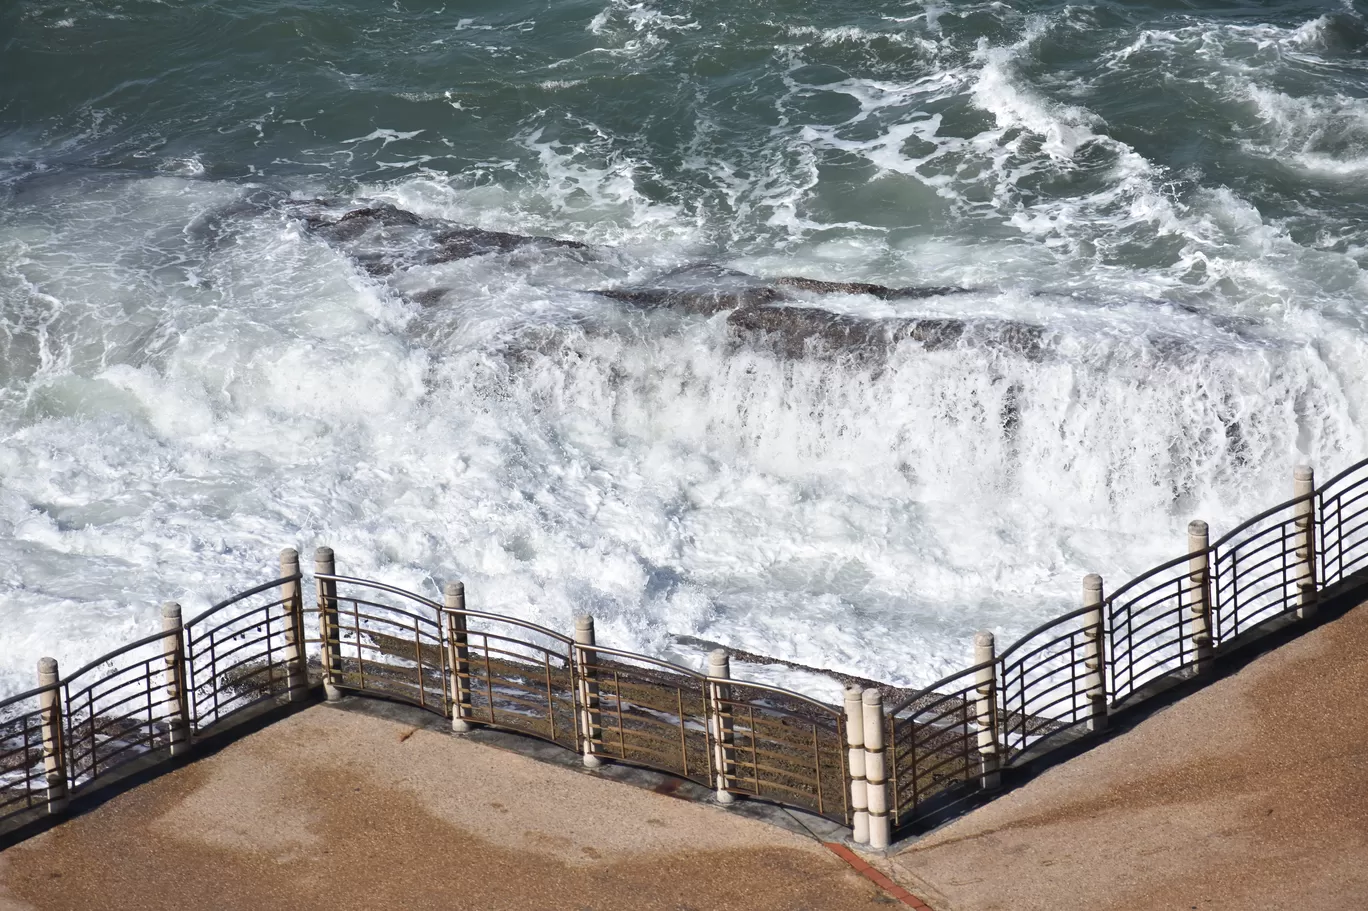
(1169, 196)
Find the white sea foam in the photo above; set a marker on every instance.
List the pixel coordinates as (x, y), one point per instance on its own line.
(191, 381)
(199, 403)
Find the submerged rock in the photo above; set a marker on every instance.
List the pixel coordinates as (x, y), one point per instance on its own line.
(383, 238)
(880, 291)
(797, 332)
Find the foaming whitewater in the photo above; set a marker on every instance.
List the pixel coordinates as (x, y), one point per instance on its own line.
(193, 374)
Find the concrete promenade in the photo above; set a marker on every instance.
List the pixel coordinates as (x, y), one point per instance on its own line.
(336, 810)
(1249, 794)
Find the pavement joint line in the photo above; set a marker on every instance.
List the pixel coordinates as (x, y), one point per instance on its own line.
(862, 867)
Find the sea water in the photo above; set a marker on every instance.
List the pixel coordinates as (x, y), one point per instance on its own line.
(192, 379)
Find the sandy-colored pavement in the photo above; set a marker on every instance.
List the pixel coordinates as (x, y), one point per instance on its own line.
(1251, 794)
(336, 810)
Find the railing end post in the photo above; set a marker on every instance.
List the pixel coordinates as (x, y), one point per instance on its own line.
(1304, 554)
(50, 722)
(724, 753)
(876, 774)
(325, 564)
(1199, 595)
(173, 649)
(855, 761)
(1094, 653)
(985, 709)
(586, 670)
(458, 657)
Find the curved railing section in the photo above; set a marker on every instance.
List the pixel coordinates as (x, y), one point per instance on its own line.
(1045, 683)
(25, 787)
(122, 706)
(859, 765)
(1342, 507)
(510, 674)
(937, 742)
(1261, 567)
(1149, 625)
(244, 651)
(785, 747)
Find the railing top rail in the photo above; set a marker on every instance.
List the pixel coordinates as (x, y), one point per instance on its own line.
(620, 653)
(241, 596)
(1062, 618)
(525, 624)
(777, 690)
(1341, 476)
(110, 656)
(1247, 523)
(378, 586)
(932, 689)
(1151, 573)
(29, 694)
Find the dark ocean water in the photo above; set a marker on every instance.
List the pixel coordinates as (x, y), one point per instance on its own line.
(1169, 197)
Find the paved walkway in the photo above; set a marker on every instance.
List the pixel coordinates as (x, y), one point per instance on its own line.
(1251, 794)
(335, 810)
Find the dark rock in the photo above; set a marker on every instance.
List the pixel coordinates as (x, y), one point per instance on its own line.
(880, 291)
(383, 238)
(797, 332)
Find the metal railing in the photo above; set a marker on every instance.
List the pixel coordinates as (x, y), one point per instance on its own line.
(154, 696)
(122, 706)
(647, 712)
(1149, 627)
(244, 651)
(784, 747)
(1342, 509)
(1044, 681)
(1258, 568)
(934, 743)
(511, 674)
(23, 775)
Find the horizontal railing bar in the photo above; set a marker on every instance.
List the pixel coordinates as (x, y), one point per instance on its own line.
(377, 586)
(137, 643)
(297, 577)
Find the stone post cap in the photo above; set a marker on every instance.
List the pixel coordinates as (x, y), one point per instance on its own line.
(1197, 528)
(584, 621)
(873, 696)
(289, 555)
(323, 555)
(171, 611)
(984, 638)
(47, 667)
(1303, 473)
(455, 589)
(1092, 582)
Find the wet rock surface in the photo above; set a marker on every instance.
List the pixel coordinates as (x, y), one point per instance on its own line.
(773, 314)
(797, 332)
(383, 239)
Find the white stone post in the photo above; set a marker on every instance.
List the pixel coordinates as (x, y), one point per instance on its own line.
(1199, 595)
(54, 754)
(173, 650)
(1304, 485)
(292, 603)
(586, 670)
(876, 788)
(724, 738)
(325, 564)
(855, 760)
(985, 708)
(458, 649)
(1094, 653)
